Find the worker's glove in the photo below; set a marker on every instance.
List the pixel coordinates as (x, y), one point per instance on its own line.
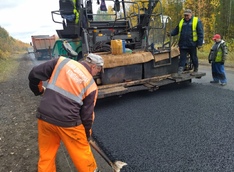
(199, 47)
(44, 88)
(88, 134)
(168, 34)
(209, 61)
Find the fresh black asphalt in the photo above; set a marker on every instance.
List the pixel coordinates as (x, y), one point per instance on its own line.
(183, 128)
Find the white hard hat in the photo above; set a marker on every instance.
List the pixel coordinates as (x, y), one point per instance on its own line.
(95, 59)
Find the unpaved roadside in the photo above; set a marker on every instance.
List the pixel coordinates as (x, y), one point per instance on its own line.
(18, 128)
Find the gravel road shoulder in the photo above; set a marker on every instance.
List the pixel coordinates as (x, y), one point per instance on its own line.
(18, 128)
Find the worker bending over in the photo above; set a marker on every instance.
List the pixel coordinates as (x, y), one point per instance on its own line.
(66, 110)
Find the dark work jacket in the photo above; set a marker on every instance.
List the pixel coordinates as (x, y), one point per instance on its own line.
(58, 109)
(186, 35)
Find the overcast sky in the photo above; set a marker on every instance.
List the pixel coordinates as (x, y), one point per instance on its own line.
(23, 18)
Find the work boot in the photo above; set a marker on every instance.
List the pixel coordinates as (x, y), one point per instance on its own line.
(214, 82)
(97, 170)
(180, 71)
(195, 70)
(223, 83)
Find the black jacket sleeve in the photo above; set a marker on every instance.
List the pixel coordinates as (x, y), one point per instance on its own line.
(87, 112)
(200, 33)
(40, 73)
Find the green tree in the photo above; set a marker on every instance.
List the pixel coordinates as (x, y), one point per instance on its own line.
(9, 45)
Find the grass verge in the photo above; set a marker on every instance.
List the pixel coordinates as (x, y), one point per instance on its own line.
(8, 66)
(203, 57)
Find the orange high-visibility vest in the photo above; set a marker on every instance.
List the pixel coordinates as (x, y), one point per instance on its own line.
(72, 80)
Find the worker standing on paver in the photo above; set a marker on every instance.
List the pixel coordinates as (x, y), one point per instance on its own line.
(66, 111)
(191, 36)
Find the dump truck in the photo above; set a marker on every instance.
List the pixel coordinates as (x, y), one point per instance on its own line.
(129, 35)
(42, 46)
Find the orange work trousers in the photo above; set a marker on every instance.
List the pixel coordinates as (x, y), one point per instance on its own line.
(75, 141)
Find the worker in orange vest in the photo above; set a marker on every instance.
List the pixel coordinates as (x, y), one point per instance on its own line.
(66, 110)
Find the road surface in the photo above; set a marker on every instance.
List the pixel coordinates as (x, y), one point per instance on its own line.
(177, 128)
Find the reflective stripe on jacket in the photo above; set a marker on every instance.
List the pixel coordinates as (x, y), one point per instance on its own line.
(194, 27)
(75, 74)
(75, 11)
(219, 56)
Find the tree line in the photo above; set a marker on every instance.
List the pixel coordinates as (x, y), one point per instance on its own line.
(9, 45)
(216, 16)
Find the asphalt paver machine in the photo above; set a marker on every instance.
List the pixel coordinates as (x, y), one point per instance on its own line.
(131, 38)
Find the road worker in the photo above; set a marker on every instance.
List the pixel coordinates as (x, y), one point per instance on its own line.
(66, 110)
(217, 58)
(191, 35)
